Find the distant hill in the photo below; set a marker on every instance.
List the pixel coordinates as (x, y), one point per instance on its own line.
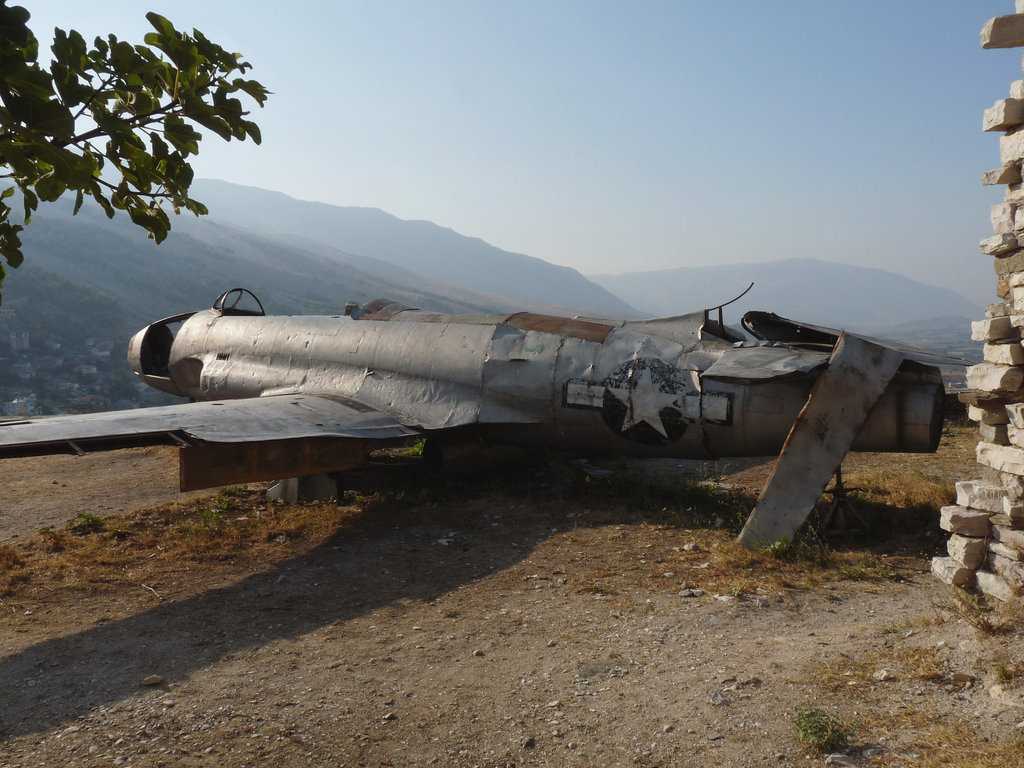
(418, 246)
(821, 292)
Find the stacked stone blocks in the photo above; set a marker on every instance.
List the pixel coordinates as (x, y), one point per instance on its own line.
(986, 525)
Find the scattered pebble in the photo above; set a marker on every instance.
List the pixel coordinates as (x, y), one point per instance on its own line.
(838, 759)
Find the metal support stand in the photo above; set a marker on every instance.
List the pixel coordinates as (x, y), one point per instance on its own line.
(838, 512)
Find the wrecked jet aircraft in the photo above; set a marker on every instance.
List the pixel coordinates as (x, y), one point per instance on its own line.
(297, 396)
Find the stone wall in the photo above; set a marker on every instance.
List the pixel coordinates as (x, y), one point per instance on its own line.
(986, 545)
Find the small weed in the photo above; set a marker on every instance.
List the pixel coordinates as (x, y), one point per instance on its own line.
(231, 491)
(866, 568)
(967, 607)
(1005, 673)
(813, 551)
(211, 517)
(416, 449)
(83, 524)
(820, 732)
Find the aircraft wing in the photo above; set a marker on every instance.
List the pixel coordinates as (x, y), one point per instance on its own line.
(222, 441)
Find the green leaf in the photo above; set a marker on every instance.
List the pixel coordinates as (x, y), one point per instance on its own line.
(115, 113)
(161, 24)
(50, 188)
(14, 26)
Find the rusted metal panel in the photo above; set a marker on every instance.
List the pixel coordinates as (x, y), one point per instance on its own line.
(561, 326)
(212, 464)
(840, 402)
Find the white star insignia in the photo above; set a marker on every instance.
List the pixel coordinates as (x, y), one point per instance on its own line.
(644, 401)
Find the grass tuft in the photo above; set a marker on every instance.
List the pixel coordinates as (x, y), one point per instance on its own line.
(83, 524)
(821, 732)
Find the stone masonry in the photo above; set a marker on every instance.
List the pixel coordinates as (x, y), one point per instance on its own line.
(986, 525)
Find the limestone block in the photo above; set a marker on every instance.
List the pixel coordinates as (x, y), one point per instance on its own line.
(999, 245)
(1004, 551)
(1005, 434)
(1011, 571)
(1013, 485)
(1001, 379)
(969, 552)
(1004, 354)
(982, 399)
(1015, 511)
(1009, 537)
(1005, 265)
(1005, 458)
(1018, 218)
(1002, 217)
(1017, 86)
(994, 329)
(998, 308)
(1008, 174)
(993, 586)
(1003, 115)
(948, 570)
(1014, 192)
(966, 522)
(977, 494)
(1003, 32)
(1015, 414)
(1011, 146)
(995, 415)
(1018, 6)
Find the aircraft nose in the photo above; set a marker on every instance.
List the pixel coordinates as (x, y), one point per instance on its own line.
(149, 355)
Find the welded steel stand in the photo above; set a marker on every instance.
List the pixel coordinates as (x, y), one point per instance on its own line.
(839, 511)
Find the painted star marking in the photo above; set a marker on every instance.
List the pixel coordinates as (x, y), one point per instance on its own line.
(644, 401)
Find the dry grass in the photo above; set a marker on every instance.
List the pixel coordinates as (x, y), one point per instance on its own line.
(12, 569)
(957, 746)
(235, 525)
(240, 525)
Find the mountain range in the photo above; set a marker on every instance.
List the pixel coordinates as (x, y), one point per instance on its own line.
(306, 257)
(815, 291)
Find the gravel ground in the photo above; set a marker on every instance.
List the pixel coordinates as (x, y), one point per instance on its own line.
(483, 630)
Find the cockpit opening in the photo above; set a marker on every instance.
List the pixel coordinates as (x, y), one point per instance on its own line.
(239, 301)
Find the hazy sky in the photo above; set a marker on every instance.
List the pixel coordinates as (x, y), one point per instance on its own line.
(620, 136)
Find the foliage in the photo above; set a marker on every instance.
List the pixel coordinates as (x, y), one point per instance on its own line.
(115, 122)
(821, 732)
(83, 523)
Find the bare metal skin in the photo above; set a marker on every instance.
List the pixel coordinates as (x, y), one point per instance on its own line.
(684, 386)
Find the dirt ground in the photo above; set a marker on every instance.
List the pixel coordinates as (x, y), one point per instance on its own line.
(511, 622)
